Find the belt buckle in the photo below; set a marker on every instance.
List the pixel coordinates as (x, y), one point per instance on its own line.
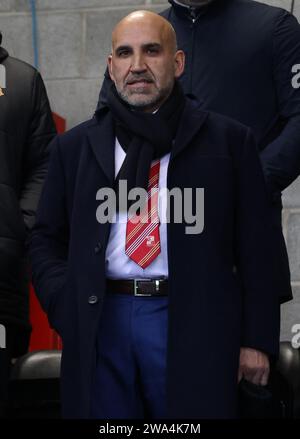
(136, 287)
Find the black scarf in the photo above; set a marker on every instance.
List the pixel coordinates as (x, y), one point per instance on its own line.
(144, 136)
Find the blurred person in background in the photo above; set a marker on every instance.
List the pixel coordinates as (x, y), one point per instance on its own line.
(26, 128)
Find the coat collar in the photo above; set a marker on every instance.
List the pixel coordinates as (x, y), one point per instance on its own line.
(102, 130)
(191, 122)
(193, 14)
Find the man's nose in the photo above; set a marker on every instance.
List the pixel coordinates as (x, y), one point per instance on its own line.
(138, 64)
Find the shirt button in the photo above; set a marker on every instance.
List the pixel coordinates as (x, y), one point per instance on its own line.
(93, 300)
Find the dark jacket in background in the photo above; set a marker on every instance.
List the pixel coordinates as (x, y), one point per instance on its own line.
(26, 127)
(240, 55)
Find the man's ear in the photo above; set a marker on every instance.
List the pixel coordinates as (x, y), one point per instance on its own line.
(109, 65)
(179, 60)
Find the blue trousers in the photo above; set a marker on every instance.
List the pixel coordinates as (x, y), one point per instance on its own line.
(130, 378)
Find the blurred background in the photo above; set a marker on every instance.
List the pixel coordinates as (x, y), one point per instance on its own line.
(69, 40)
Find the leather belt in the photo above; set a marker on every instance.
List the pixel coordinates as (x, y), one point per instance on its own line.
(145, 287)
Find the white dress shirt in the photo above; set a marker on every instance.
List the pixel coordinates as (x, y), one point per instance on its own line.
(118, 264)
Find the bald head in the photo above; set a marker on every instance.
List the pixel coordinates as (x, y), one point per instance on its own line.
(144, 61)
(146, 20)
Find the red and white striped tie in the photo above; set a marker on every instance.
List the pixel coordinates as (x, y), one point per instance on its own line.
(142, 231)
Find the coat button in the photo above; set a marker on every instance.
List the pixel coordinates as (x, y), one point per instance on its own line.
(93, 300)
(98, 248)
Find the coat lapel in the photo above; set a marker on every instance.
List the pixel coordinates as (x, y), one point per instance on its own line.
(191, 121)
(102, 141)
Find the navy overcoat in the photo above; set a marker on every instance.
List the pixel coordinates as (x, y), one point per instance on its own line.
(221, 281)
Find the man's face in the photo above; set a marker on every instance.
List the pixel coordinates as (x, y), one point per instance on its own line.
(144, 63)
(195, 3)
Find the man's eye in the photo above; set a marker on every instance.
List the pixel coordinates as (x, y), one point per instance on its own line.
(124, 53)
(152, 51)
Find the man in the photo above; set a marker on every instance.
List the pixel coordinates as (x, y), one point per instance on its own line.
(155, 320)
(240, 58)
(26, 128)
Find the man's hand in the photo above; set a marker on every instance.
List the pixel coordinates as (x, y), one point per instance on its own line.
(254, 366)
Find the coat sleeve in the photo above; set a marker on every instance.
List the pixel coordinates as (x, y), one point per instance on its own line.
(281, 157)
(259, 256)
(40, 132)
(48, 243)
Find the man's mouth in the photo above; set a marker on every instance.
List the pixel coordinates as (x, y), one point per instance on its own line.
(140, 81)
